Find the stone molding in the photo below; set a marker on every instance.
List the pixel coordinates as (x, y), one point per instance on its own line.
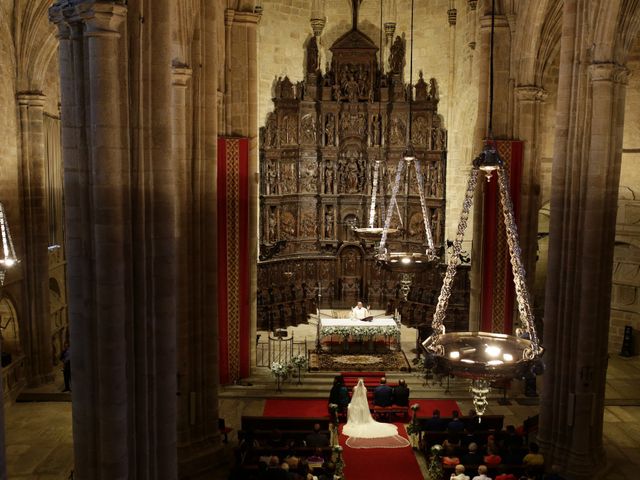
(608, 72)
(229, 14)
(180, 75)
(530, 93)
(247, 18)
(501, 21)
(31, 99)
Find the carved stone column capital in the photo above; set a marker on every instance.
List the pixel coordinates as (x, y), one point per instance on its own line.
(101, 18)
(180, 74)
(608, 72)
(247, 18)
(58, 18)
(531, 93)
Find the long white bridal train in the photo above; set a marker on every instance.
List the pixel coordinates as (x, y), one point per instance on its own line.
(363, 431)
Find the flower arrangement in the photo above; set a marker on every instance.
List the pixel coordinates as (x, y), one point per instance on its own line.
(279, 369)
(415, 407)
(413, 429)
(299, 361)
(434, 469)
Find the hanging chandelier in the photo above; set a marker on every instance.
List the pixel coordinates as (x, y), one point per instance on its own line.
(405, 262)
(8, 256)
(486, 357)
(370, 233)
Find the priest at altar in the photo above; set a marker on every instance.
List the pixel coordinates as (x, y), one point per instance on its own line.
(359, 312)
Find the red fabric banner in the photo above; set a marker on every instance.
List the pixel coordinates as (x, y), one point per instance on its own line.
(233, 259)
(498, 292)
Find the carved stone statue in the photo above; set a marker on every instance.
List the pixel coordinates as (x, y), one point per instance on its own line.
(398, 131)
(375, 130)
(420, 132)
(352, 90)
(396, 57)
(312, 56)
(328, 223)
(328, 177)
(330, 130)
(272, 179)
(272, 225)
(308, 128)
(421, 89)
(433, 89)
(271, 136)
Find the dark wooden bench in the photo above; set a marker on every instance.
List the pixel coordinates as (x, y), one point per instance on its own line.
(249, 423)
(484, 422)
(385, 412)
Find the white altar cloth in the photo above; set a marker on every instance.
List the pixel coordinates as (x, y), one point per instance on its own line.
(350, 327)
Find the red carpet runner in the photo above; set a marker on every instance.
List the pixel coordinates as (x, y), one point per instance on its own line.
(370, 463)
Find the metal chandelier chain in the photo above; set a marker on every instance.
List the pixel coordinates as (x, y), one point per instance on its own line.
(519, 274)
(454, 259)
(425, 213)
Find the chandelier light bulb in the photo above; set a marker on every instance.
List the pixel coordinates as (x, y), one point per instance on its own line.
(507, 357)
(492, 350)
(455, 355)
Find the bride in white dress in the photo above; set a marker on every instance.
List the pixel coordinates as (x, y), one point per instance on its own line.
(360, 423)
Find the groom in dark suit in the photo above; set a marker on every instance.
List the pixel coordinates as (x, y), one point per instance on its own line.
(383, 394)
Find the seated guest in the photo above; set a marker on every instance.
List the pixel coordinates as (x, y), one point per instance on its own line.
(511, 438)
(534, 458)
(492, 458)
(292, 460)
(455, 425)
(435, 423)
(316, 438)
(503, 475)
(289, 475)
(450, 460)
(512, 456)
(472, 457)
(451, 445)
(359, 312)
(339, 395)
(316, 460)
(329, 470)
(459, 475)
(382, 394)
(482, 473)
(401, 394)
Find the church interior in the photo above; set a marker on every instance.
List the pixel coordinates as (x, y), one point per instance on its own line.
(196, 194)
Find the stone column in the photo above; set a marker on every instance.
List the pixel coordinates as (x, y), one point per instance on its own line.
(242, 118)
(199, 442)
(36, 238)
(585, 179)
(528, 109)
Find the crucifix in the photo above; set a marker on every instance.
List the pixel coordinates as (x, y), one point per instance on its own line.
(355, 5)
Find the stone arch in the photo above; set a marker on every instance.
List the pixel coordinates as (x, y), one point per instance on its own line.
(617, 24)
(36, 44)
(10, 330)
(58, 319)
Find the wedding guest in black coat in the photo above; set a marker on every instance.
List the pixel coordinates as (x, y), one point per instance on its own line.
(383, 394)
(401, 394)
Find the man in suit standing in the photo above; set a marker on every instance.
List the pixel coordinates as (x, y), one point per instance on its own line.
(401, 394)
(383, 394)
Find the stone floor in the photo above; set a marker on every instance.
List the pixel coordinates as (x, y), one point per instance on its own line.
(39, 440)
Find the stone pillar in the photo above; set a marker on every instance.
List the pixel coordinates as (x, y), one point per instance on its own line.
(528, 109)
(242, 117)
(36, 238)
(585, 179)
(199, 443)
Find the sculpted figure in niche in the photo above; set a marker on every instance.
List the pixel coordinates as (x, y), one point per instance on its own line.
(328, 177)
(308, 126)
(416, 226)
(436, 226)
(308, 179)
(288, 226)
(363, 79)
(421, 89)
(271, 135)
(309, 225)
(420, 132)
(375, 130)
(284, 129)
(328, 223)
(272, 226)
(398, 131)
(312, 56)
(352, 89)
(272, 177)
(396, 57)
(330, 130)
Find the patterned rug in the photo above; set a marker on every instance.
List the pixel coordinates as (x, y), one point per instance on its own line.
(358, 362)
